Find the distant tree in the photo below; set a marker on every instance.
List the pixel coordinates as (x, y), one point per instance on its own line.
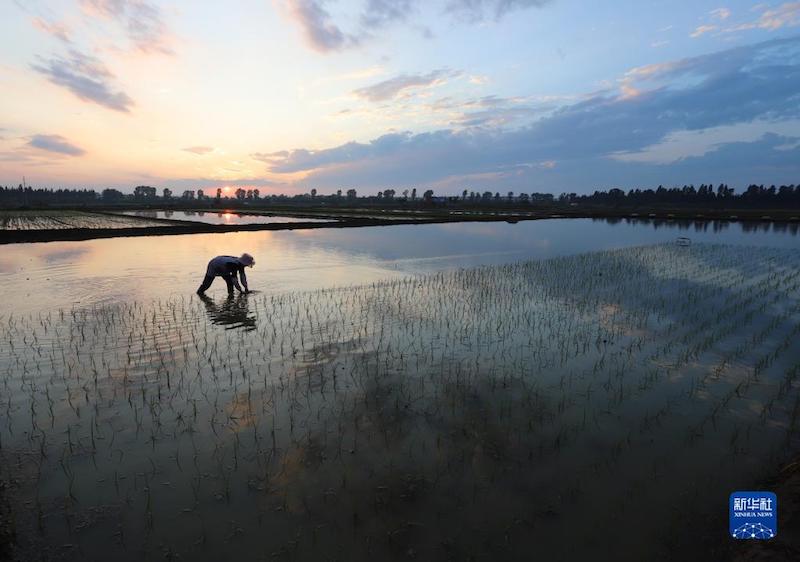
(510, 196)
(256, 194)
(249, 195)
(616, 194)
(428, 195)
(144, 191)
(188, 194)
(542, 198)
(414, 194)
(313, 193)
(706, 196)
(351, 194)
(112, 195)
(405, 194)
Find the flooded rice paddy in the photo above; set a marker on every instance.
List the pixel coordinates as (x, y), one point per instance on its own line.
(61, 220)
(224, 217)
(608, 401)
(47, 276)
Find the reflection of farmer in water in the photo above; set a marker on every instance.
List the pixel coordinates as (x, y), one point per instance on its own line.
(232, 313)
(228, 267)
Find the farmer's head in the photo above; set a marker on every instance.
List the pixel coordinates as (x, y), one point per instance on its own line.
(247, 260)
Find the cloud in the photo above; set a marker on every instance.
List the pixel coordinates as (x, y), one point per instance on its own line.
(320, 32)
(396, 86)
(56, 29)
(496, 116)
(720, 13)
(702, 30)
(199, 150)
(86, 77)
(682, 144)
(493, 111)
(735, 86)
(379, 13)
(736, 163)
(786, 15)
(55, 143)
(323, 35)
(476, 10)
(141, 20)
(210, 184)
(270, 157)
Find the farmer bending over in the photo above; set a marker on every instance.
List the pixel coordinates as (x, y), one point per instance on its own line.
(228, 267)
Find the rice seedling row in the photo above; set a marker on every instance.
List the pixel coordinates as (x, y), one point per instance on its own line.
(39, 220)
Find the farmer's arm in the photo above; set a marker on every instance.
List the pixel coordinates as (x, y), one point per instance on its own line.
(236, 282)
(244, 280)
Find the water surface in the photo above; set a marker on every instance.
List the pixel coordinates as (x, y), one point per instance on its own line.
(44, 276)
(605, 402)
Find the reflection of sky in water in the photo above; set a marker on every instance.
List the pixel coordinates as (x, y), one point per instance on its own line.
(60, 274)
(218, 218)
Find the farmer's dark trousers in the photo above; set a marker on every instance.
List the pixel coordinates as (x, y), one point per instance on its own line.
(208, 279)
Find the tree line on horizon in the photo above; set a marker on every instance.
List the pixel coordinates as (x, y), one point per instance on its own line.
(723, 196)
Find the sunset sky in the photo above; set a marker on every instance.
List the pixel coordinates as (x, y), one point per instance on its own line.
(506, 95)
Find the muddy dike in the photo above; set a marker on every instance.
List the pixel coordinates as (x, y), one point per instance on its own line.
(75, 234)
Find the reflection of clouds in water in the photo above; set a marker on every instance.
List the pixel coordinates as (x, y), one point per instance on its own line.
(24, 255)
(56, 255)
(478, 228)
